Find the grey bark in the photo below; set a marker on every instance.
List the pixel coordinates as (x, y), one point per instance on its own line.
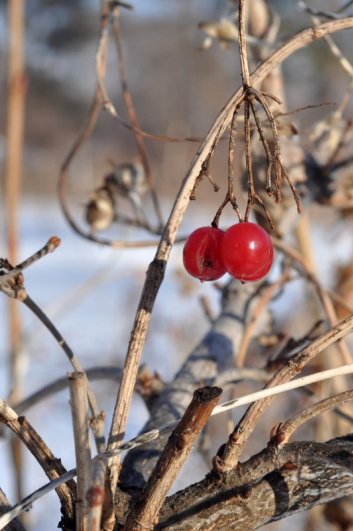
(272, 485)
(214, 355)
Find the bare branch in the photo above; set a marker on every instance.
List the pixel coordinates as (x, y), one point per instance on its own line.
(283, 432)
(238, 438)
(176, 451)
(80, 421)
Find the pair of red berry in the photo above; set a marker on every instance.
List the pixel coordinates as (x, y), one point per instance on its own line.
(245, 251)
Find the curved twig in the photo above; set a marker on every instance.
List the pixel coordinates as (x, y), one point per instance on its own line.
(284, 431)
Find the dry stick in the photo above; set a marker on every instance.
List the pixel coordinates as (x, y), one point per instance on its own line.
(97, 421)
(302, 233)
(269, 162)
(13, 177)
(285, 430)
(262, 304)
(96, 493)
(152, 435)
(130, 107)
(244, 65)
(11, 272)
(101, 58)
(323, 294)
(49, 463)
(286, 372)
(225, 380)
(229, 378)
(156, 269)
(143, 515)
(80, 421)
(231, 176)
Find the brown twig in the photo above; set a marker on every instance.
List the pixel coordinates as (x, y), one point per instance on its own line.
(324, 295)
(101, 57)
(286, 372)
(96, 493)
(80, 422)
(155, 272)
(17, 88)
(143, 515)
(245, 74)
(284, 431)
(130, 107)
(48, 462)
(274, 161)
(262, 304)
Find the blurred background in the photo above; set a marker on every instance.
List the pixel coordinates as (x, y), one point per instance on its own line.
(179, 82)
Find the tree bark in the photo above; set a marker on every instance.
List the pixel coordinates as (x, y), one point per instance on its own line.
(272, 485)
(214, 355)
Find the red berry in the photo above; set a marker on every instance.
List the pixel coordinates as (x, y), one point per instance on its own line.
(247, 251)
(202, 254)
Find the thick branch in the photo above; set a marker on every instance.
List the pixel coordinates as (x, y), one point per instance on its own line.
(272, 485)
(176, 451)
(214, 355)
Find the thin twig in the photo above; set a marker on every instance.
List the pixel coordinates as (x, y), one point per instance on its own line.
(242, 44)
(101, 57)
(284, 431)
(17, 88)
(262, 304)
(12, 284)
(94, 373)
(98, 418)
(8, 272)
(231, 195)
(286, 372)
(130, 107)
